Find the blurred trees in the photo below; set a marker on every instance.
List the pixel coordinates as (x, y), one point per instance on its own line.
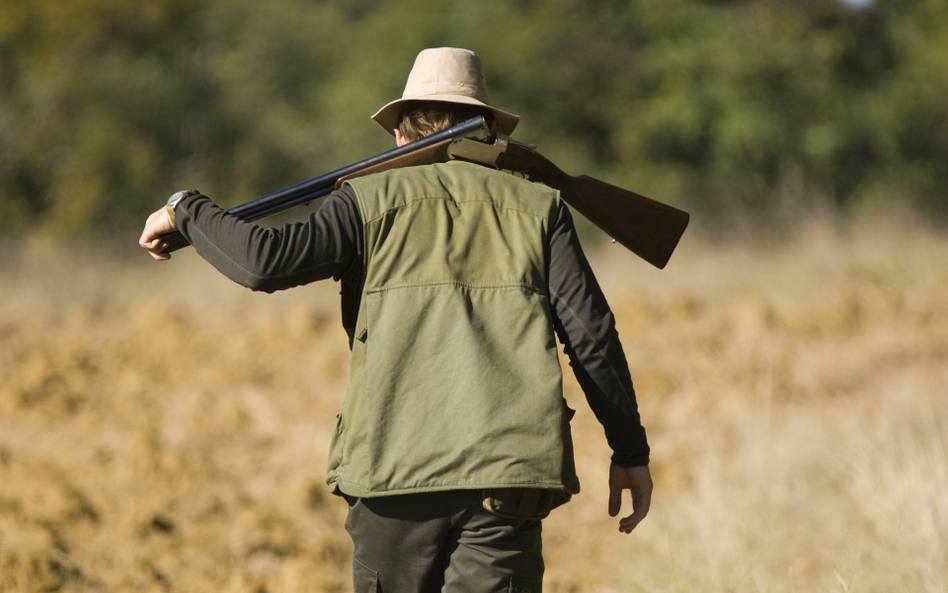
(727, 107)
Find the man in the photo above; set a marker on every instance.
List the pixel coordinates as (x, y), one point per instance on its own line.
(453, 442)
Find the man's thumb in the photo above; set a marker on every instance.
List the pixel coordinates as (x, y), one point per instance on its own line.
(615, 500)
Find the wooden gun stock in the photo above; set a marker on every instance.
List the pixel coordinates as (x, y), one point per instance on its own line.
(436, 153)
(648, 228)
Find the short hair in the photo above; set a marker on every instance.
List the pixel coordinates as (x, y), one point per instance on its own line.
(424, 118)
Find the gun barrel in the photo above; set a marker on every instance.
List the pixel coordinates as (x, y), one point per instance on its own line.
(318, 187)
(323, 185)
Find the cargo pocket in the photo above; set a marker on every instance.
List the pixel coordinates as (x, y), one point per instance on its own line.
(364, 579)
(525, 585)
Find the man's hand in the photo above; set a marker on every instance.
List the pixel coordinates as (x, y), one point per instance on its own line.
(639, 481)
(158, 223)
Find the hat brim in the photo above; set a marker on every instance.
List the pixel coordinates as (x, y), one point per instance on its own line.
(387, 116)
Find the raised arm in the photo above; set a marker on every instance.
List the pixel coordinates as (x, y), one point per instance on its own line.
(327, 244)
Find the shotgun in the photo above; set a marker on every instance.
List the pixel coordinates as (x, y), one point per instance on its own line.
(648, 228)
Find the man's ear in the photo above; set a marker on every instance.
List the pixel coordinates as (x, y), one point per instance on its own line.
(399, 139)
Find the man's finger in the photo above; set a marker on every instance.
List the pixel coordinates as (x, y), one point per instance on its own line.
(158, 252)
(629, 523)
(156, 247)
(150, 238)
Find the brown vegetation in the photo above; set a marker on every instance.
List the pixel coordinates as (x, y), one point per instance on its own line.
(164, 430)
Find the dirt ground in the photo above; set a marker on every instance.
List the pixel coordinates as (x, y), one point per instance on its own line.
(162, 429)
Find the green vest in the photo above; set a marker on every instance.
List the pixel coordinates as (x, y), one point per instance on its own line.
(454, 378)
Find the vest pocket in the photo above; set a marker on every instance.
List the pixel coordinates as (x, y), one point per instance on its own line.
(336, 447)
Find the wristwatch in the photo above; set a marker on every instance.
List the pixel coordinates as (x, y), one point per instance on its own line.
(180, 195)
(173, 202)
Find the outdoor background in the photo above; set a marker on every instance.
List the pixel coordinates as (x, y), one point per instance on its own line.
(162, 429)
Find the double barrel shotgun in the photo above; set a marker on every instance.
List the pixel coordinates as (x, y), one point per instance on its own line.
(648, 228)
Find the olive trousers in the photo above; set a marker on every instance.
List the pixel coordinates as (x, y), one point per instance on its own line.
(441, 542)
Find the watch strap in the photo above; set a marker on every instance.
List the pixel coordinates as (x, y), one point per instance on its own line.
(170, 210)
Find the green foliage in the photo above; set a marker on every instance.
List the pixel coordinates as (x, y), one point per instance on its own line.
(766, 108)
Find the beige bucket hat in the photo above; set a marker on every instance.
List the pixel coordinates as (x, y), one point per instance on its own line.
(450, 75)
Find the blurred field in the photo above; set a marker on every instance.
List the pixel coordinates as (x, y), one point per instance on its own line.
(164, 430)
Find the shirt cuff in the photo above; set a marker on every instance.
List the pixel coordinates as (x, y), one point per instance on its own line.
(629, 460)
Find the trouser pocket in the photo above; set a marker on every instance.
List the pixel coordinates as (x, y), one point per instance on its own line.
(518, 503)
(364, 579)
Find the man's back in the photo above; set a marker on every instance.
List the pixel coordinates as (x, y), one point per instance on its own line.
(454, 381)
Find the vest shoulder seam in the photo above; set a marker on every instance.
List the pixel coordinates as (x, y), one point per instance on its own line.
(446, 197)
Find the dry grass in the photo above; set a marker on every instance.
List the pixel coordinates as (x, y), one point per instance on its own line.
(164, 430)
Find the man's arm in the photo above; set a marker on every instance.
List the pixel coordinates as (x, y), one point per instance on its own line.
(586, 327)
(328, 244)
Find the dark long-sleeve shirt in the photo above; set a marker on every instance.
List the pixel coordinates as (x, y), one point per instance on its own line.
(329, 244)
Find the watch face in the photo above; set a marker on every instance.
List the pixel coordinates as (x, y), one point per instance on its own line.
(181, 194)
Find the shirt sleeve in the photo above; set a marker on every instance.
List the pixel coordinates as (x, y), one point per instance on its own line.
(327, 244)
(586, 327)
